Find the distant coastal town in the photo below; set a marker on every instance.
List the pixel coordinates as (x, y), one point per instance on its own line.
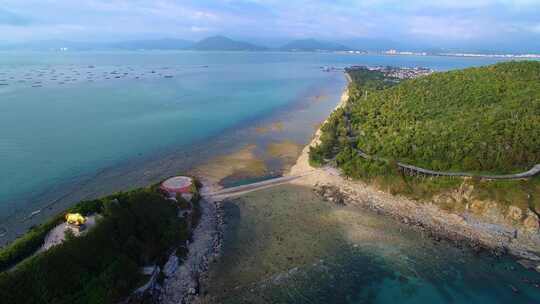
(395, 52)
(491, 55)
(451, 54)
(389, 72)
(397, 72)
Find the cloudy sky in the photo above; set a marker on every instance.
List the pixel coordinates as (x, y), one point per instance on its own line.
(424, 23)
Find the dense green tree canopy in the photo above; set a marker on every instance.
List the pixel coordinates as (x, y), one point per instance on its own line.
(484, 119)
(137, 229)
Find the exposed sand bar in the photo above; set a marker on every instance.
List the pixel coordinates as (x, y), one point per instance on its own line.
(242, 161)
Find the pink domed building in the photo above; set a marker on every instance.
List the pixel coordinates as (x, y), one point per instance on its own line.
(177, 185)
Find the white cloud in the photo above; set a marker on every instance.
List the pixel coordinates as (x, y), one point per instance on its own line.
(535, 28)
(422, 20)
(444, 28)
(198, 29)
(521, 3)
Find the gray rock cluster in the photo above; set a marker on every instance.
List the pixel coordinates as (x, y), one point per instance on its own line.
(331, 194)
(182, 283)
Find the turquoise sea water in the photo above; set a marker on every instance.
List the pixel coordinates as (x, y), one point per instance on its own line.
(85, 121)
(286, 245)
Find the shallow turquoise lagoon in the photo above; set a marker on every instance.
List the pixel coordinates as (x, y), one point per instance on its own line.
(286, 245)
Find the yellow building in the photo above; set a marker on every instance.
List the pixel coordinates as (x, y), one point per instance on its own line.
(75, 219)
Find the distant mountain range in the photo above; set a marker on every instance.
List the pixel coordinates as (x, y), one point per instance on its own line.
(312, 45)
(214, 43)
(51, 45)
(161, 44)
(221, 43)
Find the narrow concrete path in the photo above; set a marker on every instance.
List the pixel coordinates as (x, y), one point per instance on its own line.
(239, 190)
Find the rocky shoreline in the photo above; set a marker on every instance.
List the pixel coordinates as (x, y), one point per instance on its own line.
(184, 283)
(334, 194)
(461, 229)
(464, 229)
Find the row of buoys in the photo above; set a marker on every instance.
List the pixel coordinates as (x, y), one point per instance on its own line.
(91, 76)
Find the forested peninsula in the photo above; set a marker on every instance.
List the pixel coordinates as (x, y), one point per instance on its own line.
(483, 120)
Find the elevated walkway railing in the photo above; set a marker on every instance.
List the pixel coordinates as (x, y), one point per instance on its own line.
(535, 170)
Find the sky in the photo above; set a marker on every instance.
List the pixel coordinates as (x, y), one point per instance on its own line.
(479, 24)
